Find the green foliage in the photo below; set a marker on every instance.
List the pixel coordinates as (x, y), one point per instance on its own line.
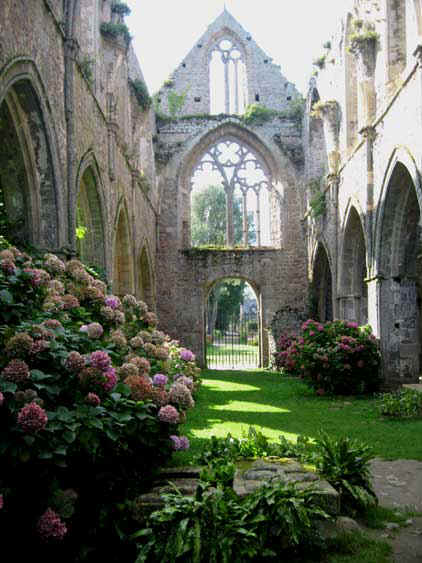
(257, 114)
(94, 435)
(318, 204)
(404, 403)
(141, 93)
(336, 357)
(81, 232)
(116, 30)
(320, 62)
(209, 218)
(327, 45)
(217, 525)
(363, 35)
(120, 8)
(169, 83)
(86, 65)
(176, 102)
(345, 465)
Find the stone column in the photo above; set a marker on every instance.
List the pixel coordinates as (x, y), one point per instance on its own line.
(369, 133)
(329, 111)
(366, 55)
(333, 181)
(229, 215)
(245, 220)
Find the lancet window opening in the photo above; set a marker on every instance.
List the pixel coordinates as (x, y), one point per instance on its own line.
(247, 185)
(228, 91)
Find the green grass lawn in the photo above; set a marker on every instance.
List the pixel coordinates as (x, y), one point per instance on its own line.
(231, 401)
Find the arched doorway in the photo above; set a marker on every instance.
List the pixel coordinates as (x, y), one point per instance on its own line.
(322, 289)
(89, 222)
(232, 325)
(353, 290)
(400, 276)
(28, 199)
(145, 281)
(123, 264)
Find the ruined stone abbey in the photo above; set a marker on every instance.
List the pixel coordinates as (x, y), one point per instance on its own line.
(89, 167)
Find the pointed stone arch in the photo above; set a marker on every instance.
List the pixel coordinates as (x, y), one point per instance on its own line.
(280, 173)
(123, 278)
(30, 167)
(90, 214)
(145, 278)
(322, 285)
(400, 272)
(353, 291)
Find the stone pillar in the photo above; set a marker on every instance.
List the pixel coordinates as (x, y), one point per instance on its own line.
(374, 289)
(366, 55)
(329, 111)
(333, 181)
(369, 134)
(229, 216)
(245, 220)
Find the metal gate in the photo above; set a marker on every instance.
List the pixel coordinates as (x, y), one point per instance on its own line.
(232, 341)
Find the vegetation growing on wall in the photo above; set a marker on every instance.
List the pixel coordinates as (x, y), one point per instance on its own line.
(120, 8)
(176, 102)
(141, 93)
(363, 35)
(317, 202)
(115, 30)
(86, 64)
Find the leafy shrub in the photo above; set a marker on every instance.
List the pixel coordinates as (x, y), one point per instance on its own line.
(217, 525)
(337, 357)
(404, 403)
(345, 464)
(85, 381)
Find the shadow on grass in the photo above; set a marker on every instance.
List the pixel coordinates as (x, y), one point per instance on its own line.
(231, 401)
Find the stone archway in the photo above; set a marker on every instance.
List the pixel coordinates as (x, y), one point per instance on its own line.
(123, 262)
(90, 222)
(353, 291)
(322, 287)
(233, 324)
(27, 173)
(400, 275)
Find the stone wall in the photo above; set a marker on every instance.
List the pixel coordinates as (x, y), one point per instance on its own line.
(87, 118)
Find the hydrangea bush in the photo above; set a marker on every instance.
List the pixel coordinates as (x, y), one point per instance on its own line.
(336, 357)
(91, 396)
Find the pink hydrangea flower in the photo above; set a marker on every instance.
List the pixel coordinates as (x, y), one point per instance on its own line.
(50, 526)
(100, 359)
(1, 399)
(1, 502)
(95, 330)
(74, 361)
(168, 414)
(93, 399)
(8, 267)
(180, 395)
(110, 379)
(16, 371)
(32, 418)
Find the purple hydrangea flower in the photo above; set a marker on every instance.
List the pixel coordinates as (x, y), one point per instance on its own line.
(111, 379)
(112, 301)
(50, 526)
(160, 379)
(32, 418)
(186, 355)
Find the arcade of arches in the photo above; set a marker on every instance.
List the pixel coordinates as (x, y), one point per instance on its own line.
(88, 170)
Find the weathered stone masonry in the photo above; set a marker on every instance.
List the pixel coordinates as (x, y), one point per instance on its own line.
(78, 150)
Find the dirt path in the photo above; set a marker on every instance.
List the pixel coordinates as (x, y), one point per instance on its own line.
(398, 484)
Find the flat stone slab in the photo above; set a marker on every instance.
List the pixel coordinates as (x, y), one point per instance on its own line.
(414, 386)
(249, 476)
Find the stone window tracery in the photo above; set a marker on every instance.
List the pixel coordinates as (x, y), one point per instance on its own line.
(247, 184)
(228, 93)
